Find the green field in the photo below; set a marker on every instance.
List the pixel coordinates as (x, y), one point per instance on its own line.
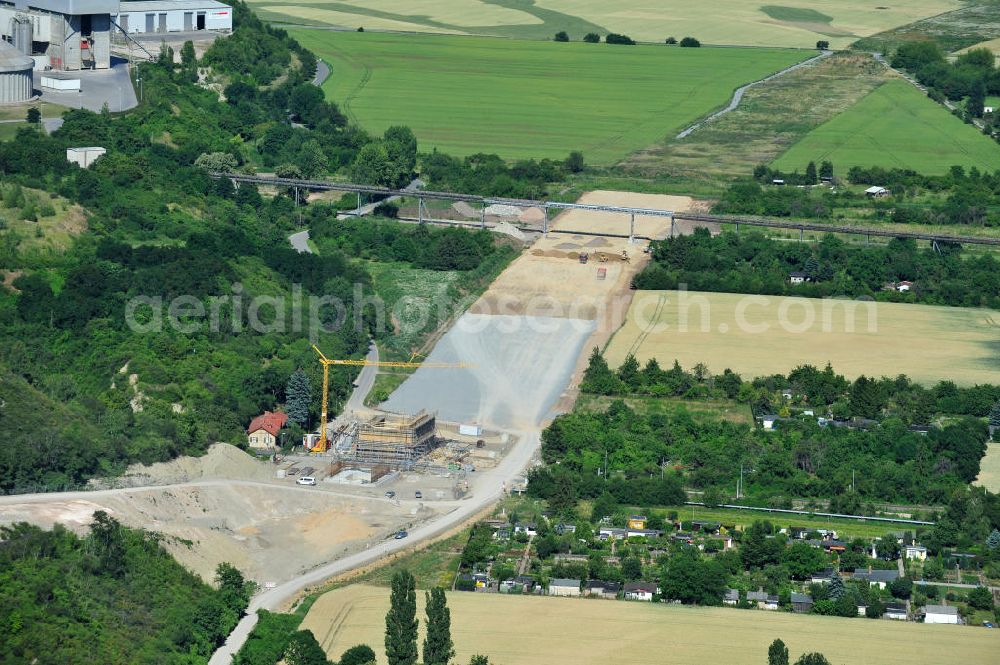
(740, 22)
(520, 99)
(894, 126)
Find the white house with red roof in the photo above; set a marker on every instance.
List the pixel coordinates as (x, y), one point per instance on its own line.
(263, 430)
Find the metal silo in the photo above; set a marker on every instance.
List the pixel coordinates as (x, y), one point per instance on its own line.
(15, 75)
(21, 32)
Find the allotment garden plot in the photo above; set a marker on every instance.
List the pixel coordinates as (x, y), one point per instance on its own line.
(531, 99)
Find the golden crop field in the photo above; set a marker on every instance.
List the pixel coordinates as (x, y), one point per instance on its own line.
(989, 468)
(763, 335)
(741, 22)
(530, 630)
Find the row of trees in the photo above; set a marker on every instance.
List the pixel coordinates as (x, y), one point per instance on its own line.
(615, 38)
(973, 74)
(749, 262)
(823, 391)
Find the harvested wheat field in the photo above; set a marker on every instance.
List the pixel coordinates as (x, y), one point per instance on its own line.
(989, 468)
(762, 335)
(635, 633)
(549, 279)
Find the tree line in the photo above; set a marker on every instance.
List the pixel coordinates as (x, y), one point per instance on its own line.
(960, 197)
(749, 262)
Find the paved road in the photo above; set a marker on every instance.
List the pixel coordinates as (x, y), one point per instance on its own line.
(738, 95)
(486, 489)
(367, 209)
(300, 242)
(97, 88)
(953, 584)
(322, 73)
(364, 383)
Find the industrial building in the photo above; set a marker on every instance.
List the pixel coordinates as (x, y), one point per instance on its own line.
(396, 441)
(60, 34)
(15, 75)
(160, 16)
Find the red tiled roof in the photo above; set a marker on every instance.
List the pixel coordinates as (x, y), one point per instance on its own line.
(269, 422)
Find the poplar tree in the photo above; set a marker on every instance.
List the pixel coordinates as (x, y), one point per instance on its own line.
(401, 621)
(438, 647)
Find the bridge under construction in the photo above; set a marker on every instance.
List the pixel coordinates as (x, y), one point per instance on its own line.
(484, 202)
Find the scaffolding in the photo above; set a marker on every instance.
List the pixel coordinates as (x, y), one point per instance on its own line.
(398, 441)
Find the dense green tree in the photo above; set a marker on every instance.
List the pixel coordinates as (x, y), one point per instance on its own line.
(812, 659)
(981, 598)
(777, 653)
(592, 38)
(479, 659)
(34, 116)
(690, 579)
(836, 589)
(372, 166)
(298, 397)
(561, 36)
(361, 654)
(303, 649)
(826, 169)
(690, 42)
(401, 621)
(438, 647)
(574, 162)
(802, 560)
(811, 177)
(632, 568)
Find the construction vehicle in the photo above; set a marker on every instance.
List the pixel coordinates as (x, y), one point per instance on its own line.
(322, 443)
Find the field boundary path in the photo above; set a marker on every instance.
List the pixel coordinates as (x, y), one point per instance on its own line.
(322, 73)
(738, 94)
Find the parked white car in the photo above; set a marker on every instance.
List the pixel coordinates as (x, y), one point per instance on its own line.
(306, 480)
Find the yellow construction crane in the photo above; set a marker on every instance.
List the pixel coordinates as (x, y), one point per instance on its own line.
(322, 443)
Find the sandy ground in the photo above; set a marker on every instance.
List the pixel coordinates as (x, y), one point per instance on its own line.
(989, 467)
(271, 533)
(221, 461)
(596, 632)
(549, 280)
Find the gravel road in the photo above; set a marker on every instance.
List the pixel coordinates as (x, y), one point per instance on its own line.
(738, 95)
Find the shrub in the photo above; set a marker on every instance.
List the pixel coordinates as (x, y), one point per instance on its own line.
(574, 162)
(615, 38)
(671, 40)
(592, 38)
(387, 209)
(561, 36)
(822, 45)
(690, 42)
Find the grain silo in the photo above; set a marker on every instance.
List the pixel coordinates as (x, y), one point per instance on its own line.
(15, 75)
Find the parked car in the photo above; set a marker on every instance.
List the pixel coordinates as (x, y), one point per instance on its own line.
(400, 535)
(306, 480)
(418, 495)
(390, 495)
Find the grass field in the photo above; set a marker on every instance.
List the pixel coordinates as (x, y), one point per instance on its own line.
(760, 336)
(894, 126)
(707, 409)
(771, 117)
(597, 632)
(522, 99)
(740, 22)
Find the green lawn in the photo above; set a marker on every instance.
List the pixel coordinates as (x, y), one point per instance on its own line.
(894, 126)
(521, 99)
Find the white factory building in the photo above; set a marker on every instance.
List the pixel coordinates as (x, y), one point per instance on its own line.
(60, 34)
(160, 16)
